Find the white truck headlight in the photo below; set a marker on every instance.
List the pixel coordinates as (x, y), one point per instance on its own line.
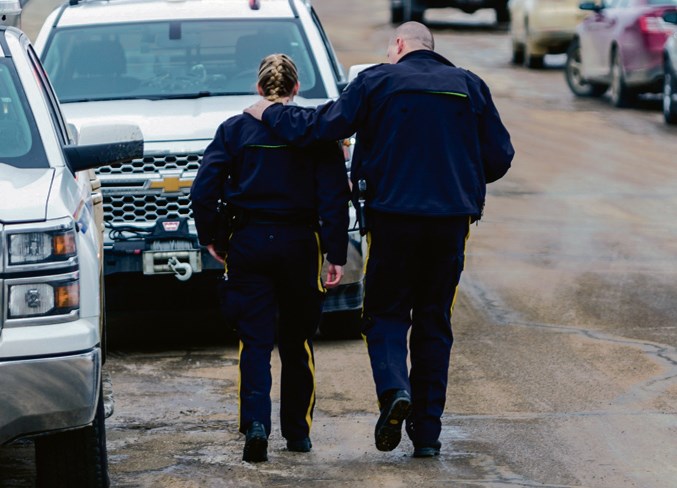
(43, 299)
(42, 246)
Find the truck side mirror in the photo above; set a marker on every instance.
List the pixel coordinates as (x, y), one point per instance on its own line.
(104, 144)
(591, 6)
(10, 13)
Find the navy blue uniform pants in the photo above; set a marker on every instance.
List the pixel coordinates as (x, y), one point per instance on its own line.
(274, 283)
(412, 275)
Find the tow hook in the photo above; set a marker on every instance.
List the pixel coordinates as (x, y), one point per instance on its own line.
(182, 271)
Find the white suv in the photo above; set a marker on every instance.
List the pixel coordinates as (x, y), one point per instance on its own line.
(178, 68)
(51, 321)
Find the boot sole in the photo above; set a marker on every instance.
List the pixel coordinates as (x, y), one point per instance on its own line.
(389, 429)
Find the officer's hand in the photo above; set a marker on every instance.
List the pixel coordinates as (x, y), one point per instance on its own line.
(215, 255)
(334, 275)
(258, 108)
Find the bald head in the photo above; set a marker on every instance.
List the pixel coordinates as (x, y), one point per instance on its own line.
(408, 37)
(416, 33)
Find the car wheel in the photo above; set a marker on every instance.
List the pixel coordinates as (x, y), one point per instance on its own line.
(574, 77)
(412, 11)
(75, 458)
(396, 13)
(619, 93)
(669, 94)
(517, 53)
(341, 325)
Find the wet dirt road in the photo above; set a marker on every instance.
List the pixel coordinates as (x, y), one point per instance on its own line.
(565, 363)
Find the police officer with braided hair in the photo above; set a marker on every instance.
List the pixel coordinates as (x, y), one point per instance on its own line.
(429, 140)
(291, 206)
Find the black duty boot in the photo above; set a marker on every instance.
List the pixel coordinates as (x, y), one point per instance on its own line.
(255, 444)
(427, 450)
(395, 408)
(300, 445)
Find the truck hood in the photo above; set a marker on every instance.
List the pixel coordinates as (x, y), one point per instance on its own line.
(167, 120)
(24, 193)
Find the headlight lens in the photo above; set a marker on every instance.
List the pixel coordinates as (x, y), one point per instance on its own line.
(42, 247)
(43, 299)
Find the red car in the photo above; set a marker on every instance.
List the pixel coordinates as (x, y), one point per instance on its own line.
(619, 47)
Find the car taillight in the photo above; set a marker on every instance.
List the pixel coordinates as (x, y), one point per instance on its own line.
(650, 24)
(655, 31)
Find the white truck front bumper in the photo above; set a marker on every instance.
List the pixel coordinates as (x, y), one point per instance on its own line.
(47, 394)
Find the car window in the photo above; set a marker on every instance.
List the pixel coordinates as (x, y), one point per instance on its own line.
(20, 144)
(173, 59)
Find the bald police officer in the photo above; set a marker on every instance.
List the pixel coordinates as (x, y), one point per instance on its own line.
(430, 139)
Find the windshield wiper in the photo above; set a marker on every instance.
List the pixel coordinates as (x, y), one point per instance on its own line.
(174, 96)
(201, 94)
(187, 96)
(91, 99)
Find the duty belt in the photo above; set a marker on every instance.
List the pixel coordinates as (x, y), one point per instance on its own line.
(264, 217)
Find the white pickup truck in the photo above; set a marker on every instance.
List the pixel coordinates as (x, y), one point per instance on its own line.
(51, 313)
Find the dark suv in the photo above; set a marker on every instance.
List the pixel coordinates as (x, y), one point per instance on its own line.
(406, 10)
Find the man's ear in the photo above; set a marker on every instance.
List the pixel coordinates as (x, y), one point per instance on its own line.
(400, 45)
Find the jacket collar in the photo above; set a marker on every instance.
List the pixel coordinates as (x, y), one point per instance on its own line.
(425, 54)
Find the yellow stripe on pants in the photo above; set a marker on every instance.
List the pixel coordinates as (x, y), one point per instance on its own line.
(311, 366)
(364, 281)
(320, 261)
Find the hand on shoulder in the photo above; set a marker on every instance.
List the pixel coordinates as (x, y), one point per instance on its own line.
(258, 108)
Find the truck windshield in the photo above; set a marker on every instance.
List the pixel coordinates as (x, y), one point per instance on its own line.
(173, 59)
(20, 144)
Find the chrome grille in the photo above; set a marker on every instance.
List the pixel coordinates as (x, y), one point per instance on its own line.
(145, 207)
(152, 164)
(127, 197)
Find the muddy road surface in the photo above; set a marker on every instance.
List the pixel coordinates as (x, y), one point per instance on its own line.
(564, 369)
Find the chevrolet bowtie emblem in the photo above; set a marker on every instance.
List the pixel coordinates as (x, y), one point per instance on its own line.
(170, 184)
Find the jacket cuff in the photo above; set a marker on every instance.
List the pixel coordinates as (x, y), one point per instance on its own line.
(337, 258)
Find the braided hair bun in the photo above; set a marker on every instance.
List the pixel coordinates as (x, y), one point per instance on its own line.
(277, 76)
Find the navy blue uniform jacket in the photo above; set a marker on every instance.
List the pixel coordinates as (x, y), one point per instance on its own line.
(429, 135)
(253, 169)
